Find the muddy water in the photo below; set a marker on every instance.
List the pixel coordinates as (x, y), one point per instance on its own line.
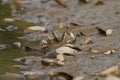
(49, 14)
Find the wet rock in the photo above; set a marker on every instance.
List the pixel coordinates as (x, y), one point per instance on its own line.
(35, 28)
(3, 46)
(30, 60)
(11, 28)
(33, 36)
(60, 57)
(103, 49)
(1, 29)
(36, 76)
(8, 20)
(98, 2)
(17, 44)
(66, 50)
(11, 75)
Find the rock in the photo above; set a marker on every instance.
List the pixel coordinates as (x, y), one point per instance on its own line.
(66, 50)
(36, 76)
(87, 41)
(8, 20)
(52, 62)
(103, 49)
(17, 44)
(11, 28)
(3, 46)
(30, 60)
(2, 29)
(35, 28)
(22, 66)
(11, 75)
(60, 57)
(105, 32)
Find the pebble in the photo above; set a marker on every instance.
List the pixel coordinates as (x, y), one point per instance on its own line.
(3, 46)
(17, 44)
(35, 28)
(8, 20)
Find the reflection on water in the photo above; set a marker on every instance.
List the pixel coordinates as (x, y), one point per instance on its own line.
(10, 9)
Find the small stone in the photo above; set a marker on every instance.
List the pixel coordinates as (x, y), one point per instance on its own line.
(110, 52)
(18, 44)
(52, 62)
(36, 76)
(22, 66)
(8, 20)
(73, 47)
(60, 57)
(93, 57)
(95, 51)
(66, 50)
(3, 46)
(35, 28)
(11, 28)
(109, 31)
(11, 75)
(2, 29)
(87, 41)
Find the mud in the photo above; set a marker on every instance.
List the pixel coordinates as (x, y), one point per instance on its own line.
(86, 17)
